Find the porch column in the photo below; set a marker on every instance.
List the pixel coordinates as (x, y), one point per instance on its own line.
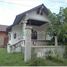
(27, 53)
(26, 34)
(23, 29)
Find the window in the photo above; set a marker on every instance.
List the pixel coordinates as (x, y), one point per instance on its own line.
(37, 11)
(40, 11)
(34, 34)
(14, 35)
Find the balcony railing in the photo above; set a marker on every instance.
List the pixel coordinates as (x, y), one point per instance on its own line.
(39, 42)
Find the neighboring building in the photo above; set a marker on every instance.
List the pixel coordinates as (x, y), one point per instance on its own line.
(28, 31)
(3, 36)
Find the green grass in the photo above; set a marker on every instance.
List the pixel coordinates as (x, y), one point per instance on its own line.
(11, 59)
(16, 59)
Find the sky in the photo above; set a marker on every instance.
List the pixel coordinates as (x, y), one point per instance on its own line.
(10, 8)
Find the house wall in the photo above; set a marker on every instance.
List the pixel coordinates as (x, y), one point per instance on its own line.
(41, 34)
(17, 29)
(41, 31)
(3, 39)
(33, 15)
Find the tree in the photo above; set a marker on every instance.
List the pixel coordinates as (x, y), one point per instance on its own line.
(55, 25)
(63, 34)
(58, 25)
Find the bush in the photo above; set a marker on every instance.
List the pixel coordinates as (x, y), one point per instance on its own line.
(55, 59)
(36, 62)
(65, 54)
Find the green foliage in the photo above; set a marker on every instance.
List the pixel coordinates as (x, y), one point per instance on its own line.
(10, 59)
(65, 54)
(58, 25)
(55, 59)
(36, 62)
(65, 14)
(54, 26)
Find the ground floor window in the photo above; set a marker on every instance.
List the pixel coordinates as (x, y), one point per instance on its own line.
(34, 34)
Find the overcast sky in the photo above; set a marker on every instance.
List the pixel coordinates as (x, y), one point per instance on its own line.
(10, 8)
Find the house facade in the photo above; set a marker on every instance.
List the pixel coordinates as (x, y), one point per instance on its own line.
(29, 30)
(3, 36)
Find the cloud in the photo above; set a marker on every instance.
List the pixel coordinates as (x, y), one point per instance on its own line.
(65, 1)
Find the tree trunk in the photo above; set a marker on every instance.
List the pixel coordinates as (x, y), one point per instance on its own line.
(56, 41)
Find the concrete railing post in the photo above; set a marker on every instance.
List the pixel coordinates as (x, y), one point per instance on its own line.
(8, 49)
(27, 55)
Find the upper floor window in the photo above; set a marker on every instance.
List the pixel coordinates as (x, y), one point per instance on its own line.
(40, 11)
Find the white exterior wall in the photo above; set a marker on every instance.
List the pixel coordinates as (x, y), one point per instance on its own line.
(18, 30)
(33, 15)
(42, 51)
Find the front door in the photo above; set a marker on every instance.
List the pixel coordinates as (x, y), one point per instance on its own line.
(34, 34)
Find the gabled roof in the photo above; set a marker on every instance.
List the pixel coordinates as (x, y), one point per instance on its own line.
(3, 28)
(20, 16)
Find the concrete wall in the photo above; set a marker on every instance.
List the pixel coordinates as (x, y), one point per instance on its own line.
(42, 51)
(18, 30)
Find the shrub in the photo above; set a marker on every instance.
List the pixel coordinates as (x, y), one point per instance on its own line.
(36, 62)
(55, 59)
(65, 53)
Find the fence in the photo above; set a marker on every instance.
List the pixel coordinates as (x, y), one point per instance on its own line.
(42, 51)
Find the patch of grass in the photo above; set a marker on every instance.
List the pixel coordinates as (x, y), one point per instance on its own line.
(16, 59)
(36, 62)
(10, 59)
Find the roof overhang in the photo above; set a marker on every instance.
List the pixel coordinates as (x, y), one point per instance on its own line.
(35, 22)
(30, 21)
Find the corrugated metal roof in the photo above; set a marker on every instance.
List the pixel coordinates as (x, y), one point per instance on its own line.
(3, 28)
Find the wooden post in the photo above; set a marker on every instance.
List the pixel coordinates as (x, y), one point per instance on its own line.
(56, 42)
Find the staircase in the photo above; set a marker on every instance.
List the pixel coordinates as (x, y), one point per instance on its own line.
(17, 47)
